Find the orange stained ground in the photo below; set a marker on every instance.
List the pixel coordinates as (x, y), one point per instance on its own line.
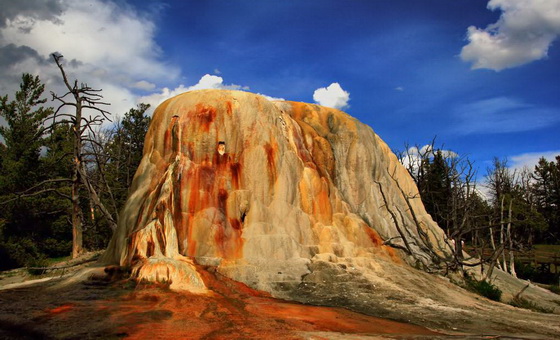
(231, 310)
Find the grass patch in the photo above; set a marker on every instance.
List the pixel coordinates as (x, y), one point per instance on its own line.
(37, 263)
(55, 260)
(483, 288)
(527, 304)
(555, 289)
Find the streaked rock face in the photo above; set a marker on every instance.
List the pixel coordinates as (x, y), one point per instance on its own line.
(300, 190)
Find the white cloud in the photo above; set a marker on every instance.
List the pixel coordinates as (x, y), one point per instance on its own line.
(531, 159)
(144, 85)
(399, 88)
(524, 32)
(206, 82)
(107, 44)
(271, 98)
(332, 96)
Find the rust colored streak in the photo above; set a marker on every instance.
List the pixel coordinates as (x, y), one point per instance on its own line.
(270, 151)
(151, 248)
(373, 236)
(220, 239)
(190, 149)
(235, 223)
(378, 242)
(194, 183)
(140, 217)
(229, 107)
(167, 140)
(204, 115)
(170, 137)
(221, 162)
(61, 309)
(207, 177)
(301, 149)
(222, 200)
(177, 201)
(235, 173)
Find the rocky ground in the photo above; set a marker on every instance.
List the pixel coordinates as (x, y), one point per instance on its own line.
(89, 303)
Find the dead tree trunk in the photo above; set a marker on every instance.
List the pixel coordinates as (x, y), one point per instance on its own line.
(502, 238)
(510, 243)
(84, 97)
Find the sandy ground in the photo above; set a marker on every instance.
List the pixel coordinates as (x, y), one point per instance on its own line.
(87, 304)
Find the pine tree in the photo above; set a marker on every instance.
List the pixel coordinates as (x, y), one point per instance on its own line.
(23, 135)
(125, 151)
(21, 165)
(546, 190)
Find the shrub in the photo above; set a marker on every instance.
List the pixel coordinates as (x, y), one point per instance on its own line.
(483, 288)
(39, 262)
(525, 271)
(17, 253)
(554, 288)
(56, 248)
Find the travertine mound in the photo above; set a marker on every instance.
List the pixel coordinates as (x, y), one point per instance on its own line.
(297, 183)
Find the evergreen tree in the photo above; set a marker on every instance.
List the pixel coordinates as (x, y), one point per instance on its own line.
(546, 190)
(125, 151)
(23, 135)
(21, 165)
(435, 189)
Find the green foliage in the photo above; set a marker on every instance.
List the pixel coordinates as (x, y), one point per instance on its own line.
(434, 184)
(124, 151)
(555, 289)
(521, 302)
(546, 191)
(27, 161)
(17, 252)
(34, 266)
(23, 135)
(525, 271)
(483, 288)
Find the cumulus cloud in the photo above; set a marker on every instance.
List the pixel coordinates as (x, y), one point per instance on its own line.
(332, 96)
(503, 115)
(207, 81)
(524, 32)
(107, 44)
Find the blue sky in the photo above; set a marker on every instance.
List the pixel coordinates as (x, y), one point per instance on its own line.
(405, 67)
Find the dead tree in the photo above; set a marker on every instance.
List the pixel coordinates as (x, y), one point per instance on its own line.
(78, 99)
